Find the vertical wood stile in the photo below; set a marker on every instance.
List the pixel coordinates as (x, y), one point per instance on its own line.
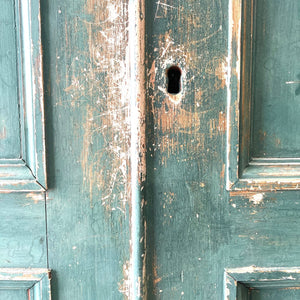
(137, 151)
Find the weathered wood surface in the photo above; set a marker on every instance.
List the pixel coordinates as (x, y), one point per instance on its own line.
(9, 112)
(87, 100)
(23, 231)
(276, 80)
(194, 228)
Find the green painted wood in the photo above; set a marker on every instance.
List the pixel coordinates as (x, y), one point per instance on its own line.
(30, 283)
(10, 146)
(275, 294)
(23, 231)
(276, 80)
(22, 113)
(88, 143)
(195, 230)
(13, 294)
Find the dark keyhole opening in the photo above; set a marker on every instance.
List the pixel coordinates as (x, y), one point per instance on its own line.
(174, 74)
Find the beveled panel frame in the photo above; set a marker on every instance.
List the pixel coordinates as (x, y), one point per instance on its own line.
(28, 172)
(238, 282)
(242, 171)
(35, 282)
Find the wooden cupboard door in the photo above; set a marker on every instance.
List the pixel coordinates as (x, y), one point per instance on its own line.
(222, 187)
(24, 270)
(171, 137)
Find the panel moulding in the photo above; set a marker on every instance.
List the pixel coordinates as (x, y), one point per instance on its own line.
(35, 282)
(28, 172)
(243, 172)
(240, 282)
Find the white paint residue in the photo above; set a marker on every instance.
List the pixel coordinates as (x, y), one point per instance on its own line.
(227, 290)
(257, 198)
(36, 196)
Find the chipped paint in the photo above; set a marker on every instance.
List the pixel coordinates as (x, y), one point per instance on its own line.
(222, 122)
(124, 285)
(3, 133)
(257, 198)
(36, 197)
(227, 289)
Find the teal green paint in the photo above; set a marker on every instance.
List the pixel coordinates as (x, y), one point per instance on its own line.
(260, 283)
(25, 283)
(275, 294)
(251, 101)
(14, 294)
(22, 161)
(275, 80)
(23, 231)
(194, 228)
(87, 200)
(9, 112)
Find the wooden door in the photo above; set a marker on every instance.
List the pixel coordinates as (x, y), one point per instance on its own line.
(24, 270)
(222, 188)
(170, 132)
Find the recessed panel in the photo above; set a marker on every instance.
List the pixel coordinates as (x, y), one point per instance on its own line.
(263, 125)
(9, 99)
(276, 79)
(13, 294)
(254, 283)
(278, 294)
(22, 137)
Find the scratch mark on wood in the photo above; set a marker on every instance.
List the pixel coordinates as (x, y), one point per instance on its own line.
(163, 5)
(3, 133)
(107, 119)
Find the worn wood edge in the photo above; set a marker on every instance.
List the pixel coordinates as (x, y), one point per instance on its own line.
(233, 91)
(11, 186)
(18, 178)
(24, 273)
(38, 83)
(136, 15)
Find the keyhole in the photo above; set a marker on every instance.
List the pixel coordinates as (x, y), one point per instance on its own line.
(174, 75)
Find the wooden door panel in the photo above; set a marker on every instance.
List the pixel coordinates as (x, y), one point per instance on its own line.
(88, 141)
(276, 80)
(9, 112)
(256, 158)
(197, 228)
(22, 143)
(23, 231)
(153, 194)
(23, 242)
(14, 294)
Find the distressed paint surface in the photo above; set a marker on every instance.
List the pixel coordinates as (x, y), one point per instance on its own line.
(276, 91)
(23, 231)
(88, 133)
(9, 112)
(187, 224)
(196, 228)
(193, 228)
